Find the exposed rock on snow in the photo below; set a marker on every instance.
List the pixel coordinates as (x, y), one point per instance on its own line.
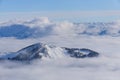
(40, 50)
(81, 53)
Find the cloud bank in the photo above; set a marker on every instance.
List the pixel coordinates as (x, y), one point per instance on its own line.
(42, 27)
(106, 66)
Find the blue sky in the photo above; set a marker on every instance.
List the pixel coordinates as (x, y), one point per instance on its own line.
(80, 10)
(57, 5)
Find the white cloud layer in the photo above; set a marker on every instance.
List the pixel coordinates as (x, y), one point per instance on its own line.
(44, 27)
(66, 34)
(106, 66)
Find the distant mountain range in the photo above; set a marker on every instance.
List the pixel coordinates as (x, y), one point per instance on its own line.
(42, 27)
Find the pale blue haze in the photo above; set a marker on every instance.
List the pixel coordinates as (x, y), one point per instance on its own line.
(62, 9)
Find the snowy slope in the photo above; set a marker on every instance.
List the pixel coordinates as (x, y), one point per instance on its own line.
(40, 50)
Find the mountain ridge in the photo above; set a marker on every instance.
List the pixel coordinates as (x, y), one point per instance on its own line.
(40, 50)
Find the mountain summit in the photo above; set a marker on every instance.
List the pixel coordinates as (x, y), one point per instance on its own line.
(40, 50)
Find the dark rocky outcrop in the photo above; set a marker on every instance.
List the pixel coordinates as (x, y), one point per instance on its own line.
(81, 53)
(28, 53)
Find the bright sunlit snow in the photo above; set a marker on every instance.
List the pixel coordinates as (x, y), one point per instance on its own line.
(62, 34)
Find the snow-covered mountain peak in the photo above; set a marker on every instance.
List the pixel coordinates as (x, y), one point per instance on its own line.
(40, 50)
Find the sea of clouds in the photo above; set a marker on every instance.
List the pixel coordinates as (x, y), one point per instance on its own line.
(104, 67)
(41, 27)
(63, 34)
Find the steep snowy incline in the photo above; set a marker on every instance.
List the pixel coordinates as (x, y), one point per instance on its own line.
(40, 50)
